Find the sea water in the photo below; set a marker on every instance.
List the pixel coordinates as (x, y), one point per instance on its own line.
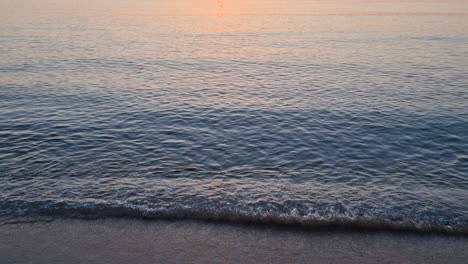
(350, 113)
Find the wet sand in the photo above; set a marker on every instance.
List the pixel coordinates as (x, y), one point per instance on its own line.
(138, 241)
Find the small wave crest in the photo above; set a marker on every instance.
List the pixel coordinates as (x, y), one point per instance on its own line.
(291, 219)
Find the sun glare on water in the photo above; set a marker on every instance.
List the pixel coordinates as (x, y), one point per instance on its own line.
(220, 7)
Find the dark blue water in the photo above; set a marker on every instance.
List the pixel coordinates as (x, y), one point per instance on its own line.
(353, 120)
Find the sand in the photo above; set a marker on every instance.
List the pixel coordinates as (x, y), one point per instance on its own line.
(139, 241)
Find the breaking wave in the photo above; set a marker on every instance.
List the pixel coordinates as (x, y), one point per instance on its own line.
(317, 220)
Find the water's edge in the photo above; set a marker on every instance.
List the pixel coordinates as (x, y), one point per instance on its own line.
(360, 224)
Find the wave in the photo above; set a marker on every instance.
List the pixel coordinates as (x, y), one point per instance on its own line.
(292, 219)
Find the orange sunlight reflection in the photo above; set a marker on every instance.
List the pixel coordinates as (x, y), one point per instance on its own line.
(220, 5)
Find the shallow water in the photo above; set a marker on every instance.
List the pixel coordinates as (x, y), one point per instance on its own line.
(310, 112)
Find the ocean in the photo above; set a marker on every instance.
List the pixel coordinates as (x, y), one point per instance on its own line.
(303, 113)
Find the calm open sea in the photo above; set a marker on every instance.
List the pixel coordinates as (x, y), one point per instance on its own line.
(289, 112)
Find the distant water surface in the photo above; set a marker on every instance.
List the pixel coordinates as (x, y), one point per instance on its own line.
(291, 112)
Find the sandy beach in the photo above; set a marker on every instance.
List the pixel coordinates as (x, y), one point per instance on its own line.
(138, 241)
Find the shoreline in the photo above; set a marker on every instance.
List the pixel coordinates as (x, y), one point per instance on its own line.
(309, 225)
(188, 241)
